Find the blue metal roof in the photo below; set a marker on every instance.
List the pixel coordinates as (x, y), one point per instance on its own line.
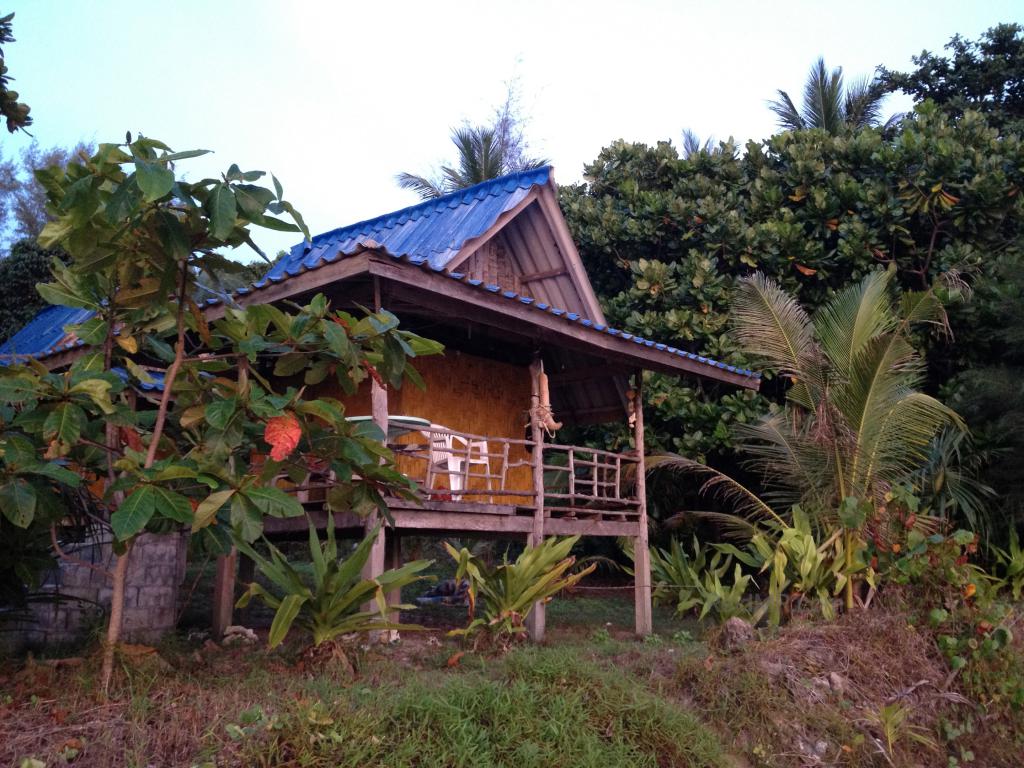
(427, 235)
(44, 333)
(434, 230)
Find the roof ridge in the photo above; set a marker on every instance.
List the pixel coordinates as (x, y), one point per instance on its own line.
(437, 202)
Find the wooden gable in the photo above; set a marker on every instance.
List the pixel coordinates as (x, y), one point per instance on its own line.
(530, 251)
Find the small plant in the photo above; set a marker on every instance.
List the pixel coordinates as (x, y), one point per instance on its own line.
(329, 606)
(1011, 563)
(509, 590)
(893, 724)
(655, 641)
(601, 635)
(682, 637)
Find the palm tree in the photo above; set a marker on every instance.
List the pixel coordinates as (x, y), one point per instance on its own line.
(831, 104)
(854, 425)
(483, 154)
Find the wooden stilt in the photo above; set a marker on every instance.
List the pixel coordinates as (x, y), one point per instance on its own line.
(642, 555)
(393, 559)
(379, 410)
(224, 593)
(536, 620)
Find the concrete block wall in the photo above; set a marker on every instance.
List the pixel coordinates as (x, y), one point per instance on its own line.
(156, 571)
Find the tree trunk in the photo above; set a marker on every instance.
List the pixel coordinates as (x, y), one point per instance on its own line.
(116, 619)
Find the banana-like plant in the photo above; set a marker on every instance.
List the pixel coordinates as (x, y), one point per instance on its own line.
(509, 590)
(329, 605)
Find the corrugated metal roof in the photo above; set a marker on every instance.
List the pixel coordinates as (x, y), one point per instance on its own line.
(44, 334)
(427, 235)
(434, 230)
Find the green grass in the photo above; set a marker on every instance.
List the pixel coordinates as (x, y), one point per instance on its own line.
(536, 707)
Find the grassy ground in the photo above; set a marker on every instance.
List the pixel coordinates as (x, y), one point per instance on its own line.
(573, 703)
(811, 694)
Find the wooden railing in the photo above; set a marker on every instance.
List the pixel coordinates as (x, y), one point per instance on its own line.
(458, 466)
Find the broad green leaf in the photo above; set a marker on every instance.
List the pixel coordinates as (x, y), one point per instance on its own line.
(133, 513)
(283, 619)
(172, 505)
(154, 180)
(219, 412)
(54, 472)
(273, 502)
(209, 507)
(222, 211)
(97, 390)
(17, 388)
(18, 502)
(65, 423)
(92, 331)
(61, 295)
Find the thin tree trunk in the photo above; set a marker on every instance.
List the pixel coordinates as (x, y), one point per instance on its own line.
(121, 569)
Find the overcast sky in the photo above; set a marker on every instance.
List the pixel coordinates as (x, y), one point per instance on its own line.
(336, 98)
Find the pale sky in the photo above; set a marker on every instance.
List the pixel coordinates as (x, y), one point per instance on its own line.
(336, 98)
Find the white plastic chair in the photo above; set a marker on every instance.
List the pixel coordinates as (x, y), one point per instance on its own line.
(444, 460)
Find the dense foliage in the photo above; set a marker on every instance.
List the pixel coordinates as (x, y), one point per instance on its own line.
(27, 264)
(665, 238)
(138, 238)
(985, 75)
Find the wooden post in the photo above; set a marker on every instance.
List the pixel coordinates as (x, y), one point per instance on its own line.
(224, 593)
(535, 621)
(641, 553)
(393, 559)
(379, 410)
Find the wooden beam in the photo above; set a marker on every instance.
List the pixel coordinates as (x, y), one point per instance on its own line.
(224, 593)
(564, 526)
(585, 373)
(641, 553)
(459, 301)
(543, 275)
(536, 619)
(548, 201)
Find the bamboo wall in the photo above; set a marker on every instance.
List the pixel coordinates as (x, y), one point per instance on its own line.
(465, 393)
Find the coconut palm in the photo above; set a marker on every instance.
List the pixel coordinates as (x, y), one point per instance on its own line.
(483, 155)
(855, 424)
(831, 104)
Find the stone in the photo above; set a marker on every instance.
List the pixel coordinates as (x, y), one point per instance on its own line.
(838, 683)
(736, 633)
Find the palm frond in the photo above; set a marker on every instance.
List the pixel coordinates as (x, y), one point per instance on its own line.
(717, 484)
(789, 116)
(421, 185)
(771, 325)
(853, 318)
(795, 468)
(862, 106)
(823, 98)
(731, 526)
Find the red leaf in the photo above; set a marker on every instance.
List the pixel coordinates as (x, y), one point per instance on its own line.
(282, 434)
(131, 438)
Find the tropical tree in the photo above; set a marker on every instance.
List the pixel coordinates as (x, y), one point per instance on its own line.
(664, 239)
(855, 426)
(830, 103)
(138, 238)
(982, 76)
(482, 155)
